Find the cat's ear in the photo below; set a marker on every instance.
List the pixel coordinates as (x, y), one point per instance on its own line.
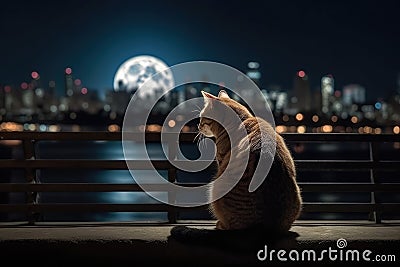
(223, 94)
(208, 96)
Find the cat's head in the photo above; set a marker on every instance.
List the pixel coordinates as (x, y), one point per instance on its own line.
(220, 109)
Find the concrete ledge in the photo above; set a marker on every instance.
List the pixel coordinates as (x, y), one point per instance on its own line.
(108, 244)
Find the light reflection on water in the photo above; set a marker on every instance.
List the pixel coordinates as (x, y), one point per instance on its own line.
(99, 150)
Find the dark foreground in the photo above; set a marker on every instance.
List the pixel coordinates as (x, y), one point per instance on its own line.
(110, 244)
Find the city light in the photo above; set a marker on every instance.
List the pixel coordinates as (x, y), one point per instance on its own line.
(171, 123)
(54, 128)
(153, 128)
(367, 129)
(253, 65)
(299, 116)
(281, 129)
(77, 82)
(113, 128)
(326, 80)
(285, 118)
(301, 74)
(35, 75)
(11, 127)
(327, 128)
(53, 108)
(24, 85)
(32, 127)
(301, 129)
(378, 105)
(332, 110)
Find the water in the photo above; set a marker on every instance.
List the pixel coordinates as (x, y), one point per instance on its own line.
(113, 150)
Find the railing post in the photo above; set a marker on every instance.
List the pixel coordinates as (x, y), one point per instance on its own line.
(172, 155)
(374, 157)
(30, 176)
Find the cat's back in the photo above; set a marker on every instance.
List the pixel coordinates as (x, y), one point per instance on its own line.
(262, 136)
(279, 195)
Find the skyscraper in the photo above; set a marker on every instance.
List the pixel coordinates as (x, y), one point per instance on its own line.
(27, 98)
(327, 89)
(36, 85)
(353, 94)
(253, 72)
(69, 82)
(301, 91)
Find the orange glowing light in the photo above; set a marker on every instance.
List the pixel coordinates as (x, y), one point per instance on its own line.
(299, 116)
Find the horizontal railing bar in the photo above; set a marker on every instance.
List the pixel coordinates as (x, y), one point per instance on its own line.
(91, 136)
(351, 207)
(102, 207)
(80, 187)
(349, 187)
(106, 187)
(329, 165)
(92, 207)
(84, 163)
(99, 164)
(326, 165)
(165, 164)
(340, 137)
(189, 137)
(55, 136)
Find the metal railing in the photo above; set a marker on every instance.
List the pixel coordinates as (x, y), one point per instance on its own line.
(30, 163)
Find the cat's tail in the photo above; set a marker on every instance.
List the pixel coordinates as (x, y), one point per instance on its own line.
(186, 234)
(233, 239)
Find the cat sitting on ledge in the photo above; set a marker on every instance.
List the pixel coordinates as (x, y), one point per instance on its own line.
(276, 203)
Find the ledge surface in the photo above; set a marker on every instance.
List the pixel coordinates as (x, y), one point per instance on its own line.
(111, 243)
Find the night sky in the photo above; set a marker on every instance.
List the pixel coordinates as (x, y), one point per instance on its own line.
(356, 41)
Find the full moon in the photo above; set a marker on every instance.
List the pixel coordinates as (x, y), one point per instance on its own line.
(135, 71)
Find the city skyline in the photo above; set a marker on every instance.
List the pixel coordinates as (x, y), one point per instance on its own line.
(60, 87)
(356, 42)
(35, 106)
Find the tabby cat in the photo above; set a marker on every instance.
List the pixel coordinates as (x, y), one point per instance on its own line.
(276, 203)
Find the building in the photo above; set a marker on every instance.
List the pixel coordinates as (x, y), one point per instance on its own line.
(27, 98)
(327, 90)
(117, 101)
(353, 94)
(277, 98)
(301, 92)
(253, 72)
(69, 82)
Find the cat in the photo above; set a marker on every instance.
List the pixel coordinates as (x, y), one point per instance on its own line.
(277, 202)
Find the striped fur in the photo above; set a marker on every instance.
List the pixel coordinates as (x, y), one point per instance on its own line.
(276, 204)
